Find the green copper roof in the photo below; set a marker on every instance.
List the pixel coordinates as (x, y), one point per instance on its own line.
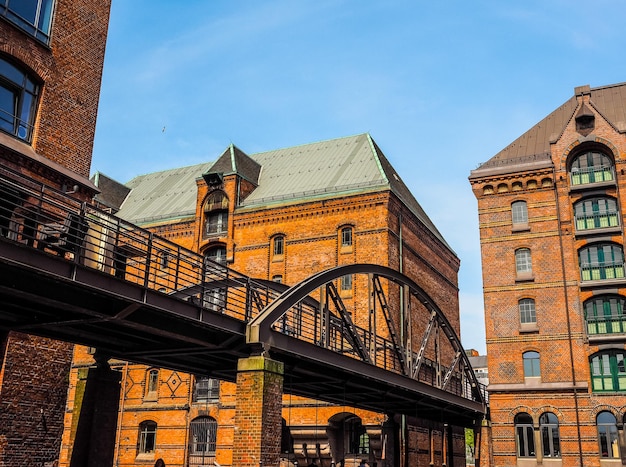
(330, 168)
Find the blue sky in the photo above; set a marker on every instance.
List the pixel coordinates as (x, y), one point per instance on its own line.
(440, 86)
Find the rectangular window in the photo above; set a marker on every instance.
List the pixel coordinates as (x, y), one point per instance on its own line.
(279, 246)
(527, 311)
(147, 437)
(346, 282)
(519, 213)
(523, 265)
(32, 16)
(346, 237)
(206, 389)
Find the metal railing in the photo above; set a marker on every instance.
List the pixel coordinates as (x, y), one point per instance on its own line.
(597, 220)
(602, 271)
(587, 175)
(37, 216)
(613, 324)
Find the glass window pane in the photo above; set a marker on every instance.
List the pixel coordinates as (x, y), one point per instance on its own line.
(519, 212)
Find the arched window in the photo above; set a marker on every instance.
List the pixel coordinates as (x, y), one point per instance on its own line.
(604, 314)
(519, 213)
(152, 383)
(527, 313)
(596, 213)
(202, 440)
(524, 435)
(601, 261)
(18, 100)
(531, 361)
(216, 214)
(607, 435)
(550, 439)
(608, 371)
(523, 264)
(33, 16)
(216, 253)
(146, 442)
(278, 244)
(591, 167)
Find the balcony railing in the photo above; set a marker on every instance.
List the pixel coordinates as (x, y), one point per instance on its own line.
(592, 175)
(597, 220)
(613, 324)
(602, 271)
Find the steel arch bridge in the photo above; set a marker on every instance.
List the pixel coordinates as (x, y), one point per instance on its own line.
(73, 272)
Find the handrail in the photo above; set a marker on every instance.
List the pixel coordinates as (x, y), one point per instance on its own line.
(40, 217)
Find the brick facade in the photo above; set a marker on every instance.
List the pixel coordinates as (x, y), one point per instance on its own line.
(540, 169)
(385, 231)
(68, 69)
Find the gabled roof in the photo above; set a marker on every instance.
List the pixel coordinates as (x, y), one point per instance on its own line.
(234, 161)
(112, 193)
(338, 167)
(532, 149)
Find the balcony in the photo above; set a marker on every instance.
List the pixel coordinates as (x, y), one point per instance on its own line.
(592, 223)
(602, 274)
(605, 327)
(592, 175)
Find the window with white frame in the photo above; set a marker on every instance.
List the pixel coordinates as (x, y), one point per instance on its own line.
(519, 213)
(523, 264)
(527, 313)
(147, 437)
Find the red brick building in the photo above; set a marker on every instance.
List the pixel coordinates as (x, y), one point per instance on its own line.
(282, 216)
(51, 57)
(552, 240)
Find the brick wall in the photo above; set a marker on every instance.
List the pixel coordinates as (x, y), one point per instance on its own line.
(560, 336)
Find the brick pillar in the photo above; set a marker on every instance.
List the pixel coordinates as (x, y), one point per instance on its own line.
(258, 415)
(484, 454)
(94, 418)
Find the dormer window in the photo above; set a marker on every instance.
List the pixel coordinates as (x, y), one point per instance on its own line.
(215, 214)
(585, 120)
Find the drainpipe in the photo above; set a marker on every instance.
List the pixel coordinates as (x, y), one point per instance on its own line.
(403, 425)
(567, 318)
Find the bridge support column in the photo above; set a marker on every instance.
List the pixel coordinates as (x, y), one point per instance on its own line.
(483, 447)
(258, 414)
(94, 420)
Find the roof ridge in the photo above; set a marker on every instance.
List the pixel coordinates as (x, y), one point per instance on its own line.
(308, 144)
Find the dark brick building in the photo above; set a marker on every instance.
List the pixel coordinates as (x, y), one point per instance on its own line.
(552, 238)
(51, 57)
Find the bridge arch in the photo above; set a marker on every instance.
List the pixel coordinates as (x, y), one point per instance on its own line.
(261, 329)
